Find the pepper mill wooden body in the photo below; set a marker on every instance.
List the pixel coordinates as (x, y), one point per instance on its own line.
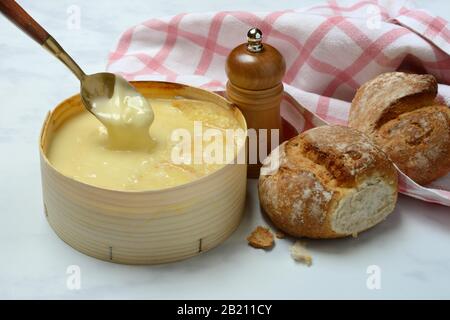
(255, 72)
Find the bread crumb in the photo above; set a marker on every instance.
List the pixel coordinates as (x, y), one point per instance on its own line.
(261, 238)
(280, 235)
(300, 254)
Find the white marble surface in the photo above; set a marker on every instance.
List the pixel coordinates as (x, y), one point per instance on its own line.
(411, 247)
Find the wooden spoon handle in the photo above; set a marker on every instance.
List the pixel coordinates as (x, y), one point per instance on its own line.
(23, 20)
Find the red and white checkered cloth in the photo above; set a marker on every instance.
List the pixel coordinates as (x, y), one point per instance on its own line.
(330, 50)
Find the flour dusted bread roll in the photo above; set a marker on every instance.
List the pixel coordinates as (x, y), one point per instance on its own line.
(399, 112)
(327, 182)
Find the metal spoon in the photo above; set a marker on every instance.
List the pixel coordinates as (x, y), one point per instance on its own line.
(92, 86)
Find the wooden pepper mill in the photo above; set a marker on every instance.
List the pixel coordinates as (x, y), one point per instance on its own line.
(255, 71)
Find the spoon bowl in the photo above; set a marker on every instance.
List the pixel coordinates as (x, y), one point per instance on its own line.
(96, 86)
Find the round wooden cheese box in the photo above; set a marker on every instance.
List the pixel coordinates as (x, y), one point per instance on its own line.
(143, 227)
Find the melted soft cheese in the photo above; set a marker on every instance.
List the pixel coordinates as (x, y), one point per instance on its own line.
(83, 149)
(127, 116)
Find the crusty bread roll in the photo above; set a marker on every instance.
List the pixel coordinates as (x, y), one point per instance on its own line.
(327, 182)
(399, 112)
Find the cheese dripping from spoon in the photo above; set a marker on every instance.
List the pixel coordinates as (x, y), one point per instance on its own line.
(127, 116)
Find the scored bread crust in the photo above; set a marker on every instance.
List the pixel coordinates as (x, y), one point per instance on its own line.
(419, 142)
(389, 95)
(398, 110)
(314, 171)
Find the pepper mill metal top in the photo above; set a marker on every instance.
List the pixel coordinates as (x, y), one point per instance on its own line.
(254, 40)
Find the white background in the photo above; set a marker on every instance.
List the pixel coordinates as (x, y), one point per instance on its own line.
(411, 247)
